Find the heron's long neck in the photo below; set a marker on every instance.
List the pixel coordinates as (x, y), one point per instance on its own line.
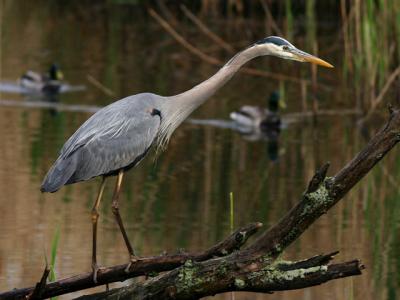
(201, 92)
(179, 107)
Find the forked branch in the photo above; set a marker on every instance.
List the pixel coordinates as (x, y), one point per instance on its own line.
(256, 268)
(194, 281)
(145, 266)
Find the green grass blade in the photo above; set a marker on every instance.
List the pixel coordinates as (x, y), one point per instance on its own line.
(54, 247)
(231, 210)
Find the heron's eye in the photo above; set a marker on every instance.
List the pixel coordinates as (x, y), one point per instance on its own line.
(285, 47)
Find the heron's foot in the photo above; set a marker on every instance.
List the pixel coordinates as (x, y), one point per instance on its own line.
(95, 269)
(134, 259)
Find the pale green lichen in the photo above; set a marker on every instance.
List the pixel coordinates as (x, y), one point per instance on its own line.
(320, 197)
(188, 263)
(187, 277)
(224, 252)
(222, 269)
(272, 273)
(282, 262)
(298, 273)
(239, 283)
(277, 248)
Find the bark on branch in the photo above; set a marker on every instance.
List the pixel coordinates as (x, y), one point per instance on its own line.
(196, 280)
(144, 266)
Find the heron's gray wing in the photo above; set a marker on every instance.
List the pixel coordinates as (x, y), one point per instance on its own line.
(115, 137)
(119, 144)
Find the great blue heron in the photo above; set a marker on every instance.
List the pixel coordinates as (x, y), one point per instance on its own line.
(118, 137)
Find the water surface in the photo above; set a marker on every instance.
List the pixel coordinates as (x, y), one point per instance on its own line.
(179, 199)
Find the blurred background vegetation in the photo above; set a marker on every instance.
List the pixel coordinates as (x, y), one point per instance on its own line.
(181, 199)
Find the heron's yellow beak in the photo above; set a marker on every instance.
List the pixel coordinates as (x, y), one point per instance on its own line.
(317, 61)
(304, 56)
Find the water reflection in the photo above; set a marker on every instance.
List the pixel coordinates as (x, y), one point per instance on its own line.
(249, 133)
(179, 199)
(16, 88)
(52, 103)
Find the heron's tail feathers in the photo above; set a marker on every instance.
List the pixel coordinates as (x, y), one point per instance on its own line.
(59, 174)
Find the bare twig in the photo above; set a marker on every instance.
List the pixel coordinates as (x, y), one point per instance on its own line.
(270, 17)
(166, 12)
(318, 178)
(317, 260)
(203, 28)
(37, 293)
(212, 60)
(383, 92)
(100, 86)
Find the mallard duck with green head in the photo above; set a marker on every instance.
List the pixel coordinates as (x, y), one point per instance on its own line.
(260, 118)
(45, 83)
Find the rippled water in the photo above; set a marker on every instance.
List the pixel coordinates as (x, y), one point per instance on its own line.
(179, 199)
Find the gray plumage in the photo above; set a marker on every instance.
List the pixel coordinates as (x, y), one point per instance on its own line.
(120, 135)
(107, 141)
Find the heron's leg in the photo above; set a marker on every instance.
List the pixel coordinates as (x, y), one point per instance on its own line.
(115, 210)
(95, 217)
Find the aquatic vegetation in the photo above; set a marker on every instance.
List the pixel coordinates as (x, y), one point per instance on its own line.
(371, 35)
(54, 247)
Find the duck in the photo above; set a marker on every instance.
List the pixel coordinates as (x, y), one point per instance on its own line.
(259, 118)
(49, 83)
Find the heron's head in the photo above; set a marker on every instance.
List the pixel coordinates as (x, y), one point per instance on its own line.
(277, 46)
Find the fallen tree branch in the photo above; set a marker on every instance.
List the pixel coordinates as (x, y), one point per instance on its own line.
(256, 268)
(193, 281)
(144, 266)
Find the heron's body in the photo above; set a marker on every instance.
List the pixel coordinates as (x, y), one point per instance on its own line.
(108, 141)
(118, 136)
